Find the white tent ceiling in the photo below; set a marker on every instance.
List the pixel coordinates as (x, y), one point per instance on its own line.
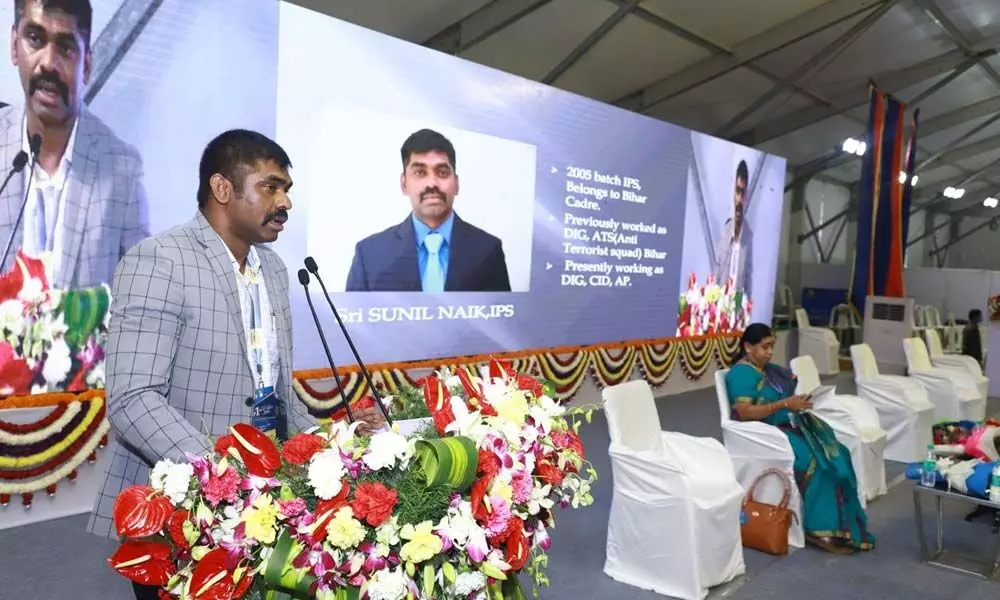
(787, 76)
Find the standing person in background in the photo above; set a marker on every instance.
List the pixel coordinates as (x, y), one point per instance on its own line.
(734, 252)
(86, 206)
(972, 341)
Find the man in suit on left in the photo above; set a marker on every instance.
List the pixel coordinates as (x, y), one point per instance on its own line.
(432, 250)
(200, 331)
(86, 205)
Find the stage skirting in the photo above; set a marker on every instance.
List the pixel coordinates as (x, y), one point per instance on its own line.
(51, 446)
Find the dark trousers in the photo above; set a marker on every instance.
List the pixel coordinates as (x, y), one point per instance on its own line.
(145, 592)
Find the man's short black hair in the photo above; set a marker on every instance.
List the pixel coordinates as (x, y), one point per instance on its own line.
(78, 9)
(975, 315)
(742, 171)
(427, 140)
(233, 155)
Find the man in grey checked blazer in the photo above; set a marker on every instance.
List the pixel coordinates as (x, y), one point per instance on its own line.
(87, 205)
(178, 370)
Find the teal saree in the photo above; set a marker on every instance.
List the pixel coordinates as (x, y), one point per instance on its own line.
(823, 470)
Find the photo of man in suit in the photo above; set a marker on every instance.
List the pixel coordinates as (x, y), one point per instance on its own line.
(86, 205)
(432, 250)
(734, 252)
(200, 336)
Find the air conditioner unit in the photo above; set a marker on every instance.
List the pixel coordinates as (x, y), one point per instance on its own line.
(888, 321)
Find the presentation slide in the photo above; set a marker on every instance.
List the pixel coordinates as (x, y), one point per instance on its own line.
(453, 209)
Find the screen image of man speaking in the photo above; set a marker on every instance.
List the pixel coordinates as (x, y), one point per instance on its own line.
(734, 252)
(433, 249)
(86, 205)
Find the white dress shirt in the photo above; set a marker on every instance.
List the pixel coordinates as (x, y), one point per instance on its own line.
(43, 215)
(270, 357)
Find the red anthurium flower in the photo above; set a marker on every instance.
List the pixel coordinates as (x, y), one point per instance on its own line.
(325, 511)
(146, 563)
(435, 395)
(257, 451)
(212, 578)
(472, 389)
(243, 585)
(516, 545)
(140, 512)
(15, 374)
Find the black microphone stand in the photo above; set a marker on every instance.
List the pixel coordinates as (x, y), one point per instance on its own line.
(20, 160)
(304, 280)
(314, 269)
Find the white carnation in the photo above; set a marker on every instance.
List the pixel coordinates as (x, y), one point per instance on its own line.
(387, 584)
(326, 474)
(385, 449)
(58, 362)
(173, 479)
(469, 583)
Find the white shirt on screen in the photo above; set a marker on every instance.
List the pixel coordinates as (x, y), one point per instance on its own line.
(270, 358)
(43, 214)
(734, 261)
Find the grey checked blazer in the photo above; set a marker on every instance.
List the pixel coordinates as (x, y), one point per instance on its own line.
(177, 366)
(724, 252)
(104, 211)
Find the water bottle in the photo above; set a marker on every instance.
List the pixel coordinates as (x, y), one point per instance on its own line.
(928, 474)
(995, 483)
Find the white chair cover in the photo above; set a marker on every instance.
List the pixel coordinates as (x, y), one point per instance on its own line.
(959, 363)
(904, 410)
(856, 425)
(954, 394)
(674, 526)
(818, 342)
(755, 447)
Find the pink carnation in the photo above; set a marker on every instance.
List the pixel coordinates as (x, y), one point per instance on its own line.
(496, 522)
(292, 508)
(522, 488)
(222, 488)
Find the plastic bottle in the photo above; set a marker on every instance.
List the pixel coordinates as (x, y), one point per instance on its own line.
(928, 474)
(995, 483)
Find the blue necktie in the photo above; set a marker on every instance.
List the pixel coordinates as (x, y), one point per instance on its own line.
(433, 273)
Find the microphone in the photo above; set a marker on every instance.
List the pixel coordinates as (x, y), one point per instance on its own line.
(314, 269)
(20, 160)
(304, 280)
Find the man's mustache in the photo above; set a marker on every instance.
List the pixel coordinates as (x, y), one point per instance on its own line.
(280, 215)
(52, 79)
(432, 191)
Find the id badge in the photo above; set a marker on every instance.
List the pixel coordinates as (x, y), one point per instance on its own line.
(264, 414)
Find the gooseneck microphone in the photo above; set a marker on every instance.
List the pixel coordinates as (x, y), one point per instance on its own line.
(314, 269)
(304, 280)
(34, 144)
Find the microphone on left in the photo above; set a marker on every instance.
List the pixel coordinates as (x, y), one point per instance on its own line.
(304, 280)
(20, 161)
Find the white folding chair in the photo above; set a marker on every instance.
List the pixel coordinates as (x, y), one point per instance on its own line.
(904, 410)
(674, 525)
(960, 363)
(955, 395)
(855, 423)
(818, 342)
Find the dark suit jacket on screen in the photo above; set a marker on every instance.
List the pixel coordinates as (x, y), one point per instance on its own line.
(387, 261)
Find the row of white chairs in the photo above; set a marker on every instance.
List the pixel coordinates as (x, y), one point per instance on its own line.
(669, 485)
(689, 490)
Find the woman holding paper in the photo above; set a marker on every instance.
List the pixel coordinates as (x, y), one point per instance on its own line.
(759, 390)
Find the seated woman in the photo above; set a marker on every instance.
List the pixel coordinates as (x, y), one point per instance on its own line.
(761, 391)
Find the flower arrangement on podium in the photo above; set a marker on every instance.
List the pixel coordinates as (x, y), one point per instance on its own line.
(50, 340)
(712, 308)
(456, 512)
(993, 305)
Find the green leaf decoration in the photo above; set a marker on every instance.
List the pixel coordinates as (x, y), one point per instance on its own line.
(83, 312)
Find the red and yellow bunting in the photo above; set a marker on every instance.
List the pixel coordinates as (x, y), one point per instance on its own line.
(37, 456)
(566, 368)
